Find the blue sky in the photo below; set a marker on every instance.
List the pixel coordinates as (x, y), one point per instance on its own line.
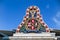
(13, 11)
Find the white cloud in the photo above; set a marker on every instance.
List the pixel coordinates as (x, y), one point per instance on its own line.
(58, 14)
(56, 20)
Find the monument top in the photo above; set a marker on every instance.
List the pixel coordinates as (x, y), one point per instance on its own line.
(33, 22)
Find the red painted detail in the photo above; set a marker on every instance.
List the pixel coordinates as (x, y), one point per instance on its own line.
(47, 30)
(27, 14)
(27, 11)
(32, 7)
(46, 26)
(32, 20)
(37, 10)
(40, 19)
(18, 27)
(21, 23)
(23, 20)
(43, 23)
(38, 15)
(17, 31)
(29, 23)
(25, 17)
(32, 27)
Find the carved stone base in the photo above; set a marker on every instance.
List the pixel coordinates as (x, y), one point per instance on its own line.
(33, 36)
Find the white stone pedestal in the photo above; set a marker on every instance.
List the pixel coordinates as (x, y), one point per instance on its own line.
(33, 36)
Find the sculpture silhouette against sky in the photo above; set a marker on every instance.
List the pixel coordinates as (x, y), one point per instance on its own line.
(33, 22)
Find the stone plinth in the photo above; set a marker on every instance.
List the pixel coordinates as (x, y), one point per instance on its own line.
(33, 36)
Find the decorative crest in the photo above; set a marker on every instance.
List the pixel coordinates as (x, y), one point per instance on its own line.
(32, 22)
